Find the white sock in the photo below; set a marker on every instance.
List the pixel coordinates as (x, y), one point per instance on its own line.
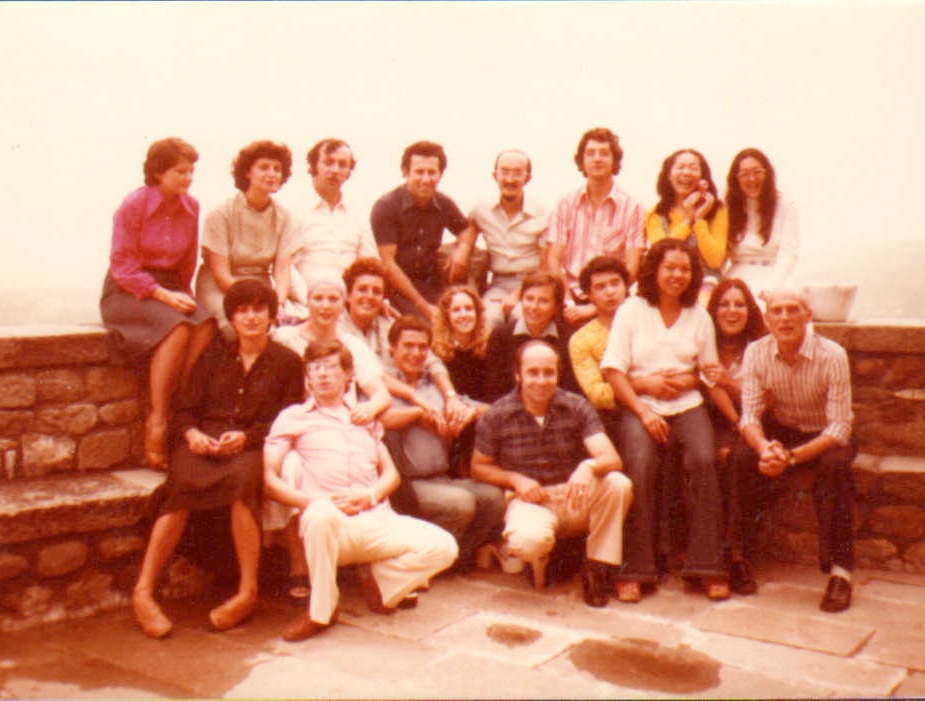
(838, 571)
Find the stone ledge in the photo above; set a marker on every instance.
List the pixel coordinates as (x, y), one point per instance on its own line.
(42, 345)
(34, 509)
(877, 336)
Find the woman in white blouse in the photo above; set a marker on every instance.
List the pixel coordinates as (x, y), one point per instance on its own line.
(763, 228)
(658, 343)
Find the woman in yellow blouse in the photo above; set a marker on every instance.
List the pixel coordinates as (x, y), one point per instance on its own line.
(689, 209)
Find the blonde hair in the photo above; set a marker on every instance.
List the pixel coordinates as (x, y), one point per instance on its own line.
(443, 343)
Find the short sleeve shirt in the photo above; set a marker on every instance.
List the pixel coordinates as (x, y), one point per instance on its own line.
(416, 231)
(513, 438)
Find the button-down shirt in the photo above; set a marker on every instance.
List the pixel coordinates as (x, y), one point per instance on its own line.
(549, 453)
(613, 228)
(151, 231)
(377, 338)
(336, 454)
(428, 454)
(813, 395)
(331, 238)
(416, 231)
(513, 243)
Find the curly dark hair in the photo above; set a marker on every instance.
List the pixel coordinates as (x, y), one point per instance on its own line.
(428, 149)
(249, 291)
(326, 146)
(754, 327)
(260, 149)
(599, 134)
(443, 344)
(602, 264)
(365, 266)
(666, 191)
(163, 155)
(647, 282)
(735, 198)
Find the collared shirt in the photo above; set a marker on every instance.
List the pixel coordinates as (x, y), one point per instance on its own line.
(514, 244)
(331, 238)
(586, 349)
(416, 231)
(377, 338)
(640, 344)
(250, 239)
(812, 396)
(612, 229)
(151, 231)
(428, 454)
(336, 454)
(511, 436)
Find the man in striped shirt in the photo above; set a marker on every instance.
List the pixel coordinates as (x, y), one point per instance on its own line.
(598, 219)
(796, 415)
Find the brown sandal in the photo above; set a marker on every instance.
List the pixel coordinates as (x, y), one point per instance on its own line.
(717, 589)
(629, 592)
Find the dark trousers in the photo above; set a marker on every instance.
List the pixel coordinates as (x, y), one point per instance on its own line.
(833, 494)
(645, 462)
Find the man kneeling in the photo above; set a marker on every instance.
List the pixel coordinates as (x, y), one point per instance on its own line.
(342, 492)
(548, 447)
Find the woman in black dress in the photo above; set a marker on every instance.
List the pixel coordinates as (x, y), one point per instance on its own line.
(234, 393)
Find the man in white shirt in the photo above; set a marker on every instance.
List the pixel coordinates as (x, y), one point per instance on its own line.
(514, 227)
(333, 237)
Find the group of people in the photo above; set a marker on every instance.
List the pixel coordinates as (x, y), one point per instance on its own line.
(404, 407)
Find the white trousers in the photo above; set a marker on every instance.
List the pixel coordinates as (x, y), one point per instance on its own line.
(530, 530)
(404, 552)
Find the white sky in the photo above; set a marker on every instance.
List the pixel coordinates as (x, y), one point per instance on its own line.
(833, 92)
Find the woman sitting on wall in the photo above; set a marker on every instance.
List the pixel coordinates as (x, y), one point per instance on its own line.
(147, 300)
(251, 234)
(234, 393)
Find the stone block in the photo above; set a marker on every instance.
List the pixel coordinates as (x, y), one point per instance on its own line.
(906, 371)
(12, 565)
(115, 547)
(873, 552)
(794, 509)
(42, 453)
(105, 384)
(909, 488)
(8, 459)
(887, 439)
(868, 367)
(43, 345)
(15, 422)
(74, 419)
(185, 580)
(103, 449)
(91, 590)
(794, 546)
(866, 483)
(60, 558)
(59, 385)
(29, 601)
(17, 390)
(915, 555)
(121, 412)
(902, 521)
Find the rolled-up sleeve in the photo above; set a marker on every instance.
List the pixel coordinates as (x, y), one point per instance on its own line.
(753, 398)
(838, 401)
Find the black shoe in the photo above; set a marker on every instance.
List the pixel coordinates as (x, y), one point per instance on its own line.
(595, 583)
(741, 579)
(837, 595)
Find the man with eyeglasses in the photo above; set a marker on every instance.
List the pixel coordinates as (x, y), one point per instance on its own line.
(514, 227)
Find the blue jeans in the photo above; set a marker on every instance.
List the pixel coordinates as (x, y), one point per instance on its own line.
(644, 460)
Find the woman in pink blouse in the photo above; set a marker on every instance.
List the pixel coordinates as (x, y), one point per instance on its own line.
(147, 299)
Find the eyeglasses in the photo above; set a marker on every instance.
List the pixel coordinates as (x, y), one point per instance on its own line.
(752, 173)
(512, 173)
(316, 366)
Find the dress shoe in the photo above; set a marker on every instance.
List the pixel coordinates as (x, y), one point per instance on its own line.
(232, 612)
(371, 590)
(837, 595)
(595, 583)
(303, 628)
(741, 579)
(716, 588)
(629, 592)
(152, 620)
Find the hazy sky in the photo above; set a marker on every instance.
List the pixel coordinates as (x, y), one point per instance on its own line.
(832, 92)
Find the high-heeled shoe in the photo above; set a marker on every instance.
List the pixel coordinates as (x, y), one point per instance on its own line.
(156, 443)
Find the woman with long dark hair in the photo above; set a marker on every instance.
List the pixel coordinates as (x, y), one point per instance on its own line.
(658, 343)
(763, 226)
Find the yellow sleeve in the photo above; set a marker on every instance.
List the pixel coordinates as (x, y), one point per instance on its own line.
(711, 238)
(678, 228)
(588, 371)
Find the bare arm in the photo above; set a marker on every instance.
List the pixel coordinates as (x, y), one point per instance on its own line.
(485, 469)
(274, 486)
(221, 269)
(654, 424)
(458, 263)
(281, 268)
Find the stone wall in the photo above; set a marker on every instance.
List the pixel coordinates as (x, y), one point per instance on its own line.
(65, 404)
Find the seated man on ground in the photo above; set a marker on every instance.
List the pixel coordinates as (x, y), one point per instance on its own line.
(796, 417)
(342, 492)
(470, 510)
(604, 280)
(548, 448)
